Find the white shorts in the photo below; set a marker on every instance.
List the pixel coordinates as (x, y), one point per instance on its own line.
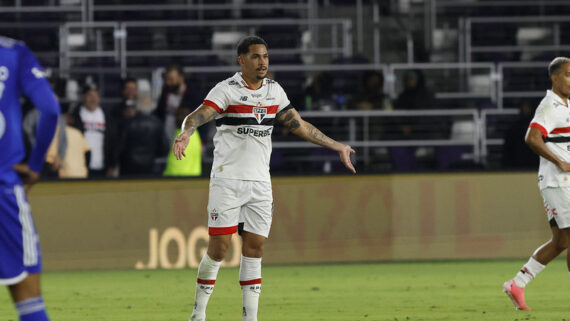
(557, 205)
(232, 202)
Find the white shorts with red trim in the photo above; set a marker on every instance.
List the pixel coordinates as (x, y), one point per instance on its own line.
(234, 201)
(557, 205)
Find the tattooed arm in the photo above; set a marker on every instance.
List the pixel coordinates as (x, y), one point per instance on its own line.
(291, 119)
(198, 117)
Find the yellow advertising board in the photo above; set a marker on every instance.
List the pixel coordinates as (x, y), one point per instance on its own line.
(151, 224)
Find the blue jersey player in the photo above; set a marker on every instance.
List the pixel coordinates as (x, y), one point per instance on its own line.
(20, 258)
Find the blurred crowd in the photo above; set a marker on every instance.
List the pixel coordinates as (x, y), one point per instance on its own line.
(132, 138)
(128, 139)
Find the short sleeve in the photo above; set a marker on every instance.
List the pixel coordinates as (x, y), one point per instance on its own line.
(282, 98)
(31, 73)
(217, 98)
(542, 121)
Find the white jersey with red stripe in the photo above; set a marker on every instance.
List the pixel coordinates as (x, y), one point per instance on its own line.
(552, 118)
(242, 143)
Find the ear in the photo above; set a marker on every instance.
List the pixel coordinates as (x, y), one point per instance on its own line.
(240, 60)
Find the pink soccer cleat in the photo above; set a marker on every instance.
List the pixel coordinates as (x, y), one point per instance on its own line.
(516, 294)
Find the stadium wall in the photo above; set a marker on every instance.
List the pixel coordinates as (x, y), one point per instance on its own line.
(149, 224)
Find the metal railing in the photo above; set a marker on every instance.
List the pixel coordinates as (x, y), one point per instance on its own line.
(119, 33)
(552, 22)
(526, 88)
(483, 122)
(367, 142)
(462, 83)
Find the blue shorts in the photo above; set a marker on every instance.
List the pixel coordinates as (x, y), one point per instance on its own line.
(19, 247)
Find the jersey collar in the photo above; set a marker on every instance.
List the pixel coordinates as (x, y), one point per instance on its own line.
(238, 77)
(557, 98)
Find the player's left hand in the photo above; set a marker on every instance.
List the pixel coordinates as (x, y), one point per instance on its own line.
(345, 153)
(28, 176)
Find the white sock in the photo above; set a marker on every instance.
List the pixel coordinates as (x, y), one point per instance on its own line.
(250, 281)
(207, 273)
(528, 272)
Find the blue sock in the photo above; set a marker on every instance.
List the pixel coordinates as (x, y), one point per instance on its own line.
(32, 310)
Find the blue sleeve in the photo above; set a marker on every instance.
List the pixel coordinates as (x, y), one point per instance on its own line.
(36, 87)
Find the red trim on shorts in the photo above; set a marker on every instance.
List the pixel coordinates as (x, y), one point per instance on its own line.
(248, 109)
(205, 281)
(561, 130)
(539, 127)
(222, 230)
(250, 282)
(213, 105)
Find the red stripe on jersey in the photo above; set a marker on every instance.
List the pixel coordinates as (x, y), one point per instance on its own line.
(222, 230)
(561, 130)
(248, 109)
(250, 282)
(539, 127)
(205, 281)
(213, 105)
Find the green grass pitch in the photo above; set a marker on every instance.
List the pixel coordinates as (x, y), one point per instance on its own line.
(351, 292)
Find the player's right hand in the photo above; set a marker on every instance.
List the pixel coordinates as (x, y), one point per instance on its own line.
(28, 176)
(180, 144)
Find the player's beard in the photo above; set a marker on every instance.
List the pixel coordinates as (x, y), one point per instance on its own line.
(263, 76)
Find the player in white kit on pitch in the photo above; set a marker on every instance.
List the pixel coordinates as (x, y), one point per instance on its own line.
(245, 107)
(549, 136)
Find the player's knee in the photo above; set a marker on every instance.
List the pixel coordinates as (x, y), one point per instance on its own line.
(28, 288)
(253, 250)
(217, 250)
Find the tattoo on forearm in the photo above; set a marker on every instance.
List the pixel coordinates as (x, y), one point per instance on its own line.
(199, 117)
(318, 136)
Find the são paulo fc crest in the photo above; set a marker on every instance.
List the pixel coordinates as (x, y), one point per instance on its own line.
(214, 215)
(259, 112)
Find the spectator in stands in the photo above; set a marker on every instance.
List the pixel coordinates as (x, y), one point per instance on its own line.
(129, 93)
(142, 140)
(516, 154)
(415, 96)
(97, 128)
(175, 93)
(191, 165)
(29, 125)
(74, 164)
(372, 95)
(319, 96)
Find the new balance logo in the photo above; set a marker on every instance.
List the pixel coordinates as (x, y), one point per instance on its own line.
(243, 98)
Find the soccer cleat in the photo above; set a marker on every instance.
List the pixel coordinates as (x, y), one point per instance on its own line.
(516, 294)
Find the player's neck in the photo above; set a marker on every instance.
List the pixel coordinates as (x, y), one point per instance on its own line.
(561, 95)
(253, 83)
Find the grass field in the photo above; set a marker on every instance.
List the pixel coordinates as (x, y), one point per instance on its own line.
(366, 292)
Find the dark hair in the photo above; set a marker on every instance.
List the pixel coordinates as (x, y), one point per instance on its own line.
(244, 43)
(88, 88)
(176, 68)
(556, 64)
(128, 80)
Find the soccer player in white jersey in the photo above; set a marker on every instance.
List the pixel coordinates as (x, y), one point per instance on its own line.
(244, 107)
(549, 136)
